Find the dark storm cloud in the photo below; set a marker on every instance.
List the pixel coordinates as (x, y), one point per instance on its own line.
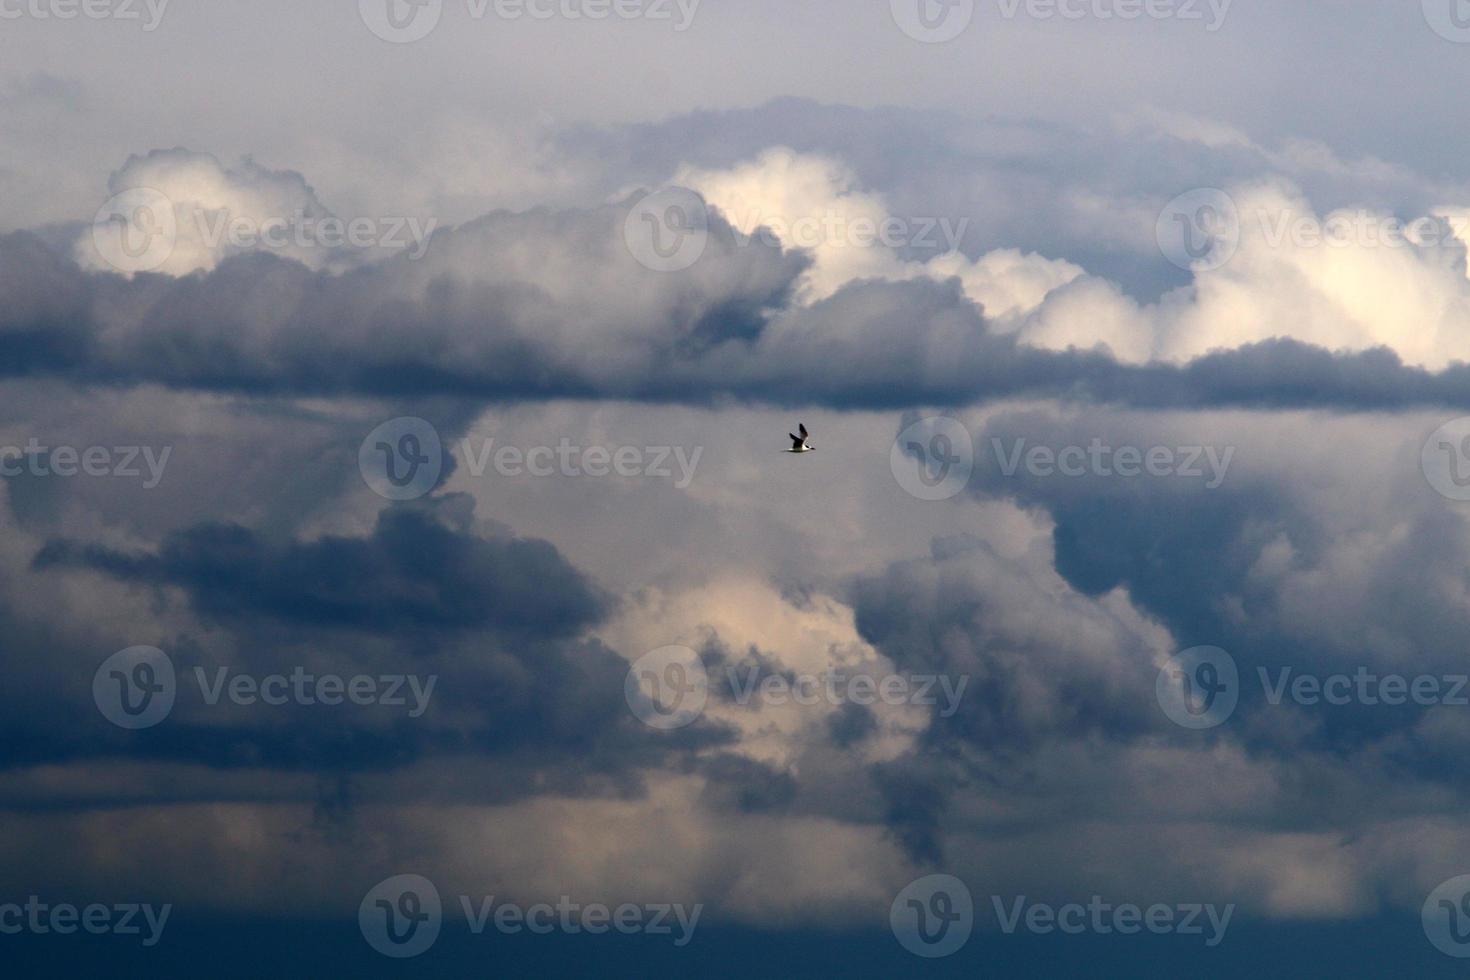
(1191, 557)
(954, 614)
(414, 572)
(1044, 670)
(535, 305)
(916, 791)
(48, 323)
(1062, 685)
(499, 621)
(552, 305)
(1282, 373)
(1179, 546)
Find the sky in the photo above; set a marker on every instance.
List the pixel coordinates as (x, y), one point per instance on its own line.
(404, 572)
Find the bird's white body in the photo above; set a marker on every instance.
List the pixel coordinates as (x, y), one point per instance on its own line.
(800, 444)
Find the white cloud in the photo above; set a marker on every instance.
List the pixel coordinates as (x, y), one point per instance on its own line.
(219, 211)
(815, 203)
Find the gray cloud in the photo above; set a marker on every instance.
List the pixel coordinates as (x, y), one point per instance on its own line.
(445, 326)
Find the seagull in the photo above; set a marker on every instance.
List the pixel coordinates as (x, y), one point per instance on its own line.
(799, 443)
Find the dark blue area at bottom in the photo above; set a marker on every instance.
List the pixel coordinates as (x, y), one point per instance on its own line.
(253, 949)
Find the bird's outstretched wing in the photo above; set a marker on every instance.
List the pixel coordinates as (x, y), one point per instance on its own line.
(796, 441)
(802, 430)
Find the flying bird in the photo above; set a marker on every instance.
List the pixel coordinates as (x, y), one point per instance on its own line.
(799, 443)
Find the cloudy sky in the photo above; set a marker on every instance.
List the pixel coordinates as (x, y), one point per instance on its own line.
(403, 573)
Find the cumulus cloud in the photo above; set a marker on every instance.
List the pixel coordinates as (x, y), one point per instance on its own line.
(214, 212)
(1352, 279)
(814, 203)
